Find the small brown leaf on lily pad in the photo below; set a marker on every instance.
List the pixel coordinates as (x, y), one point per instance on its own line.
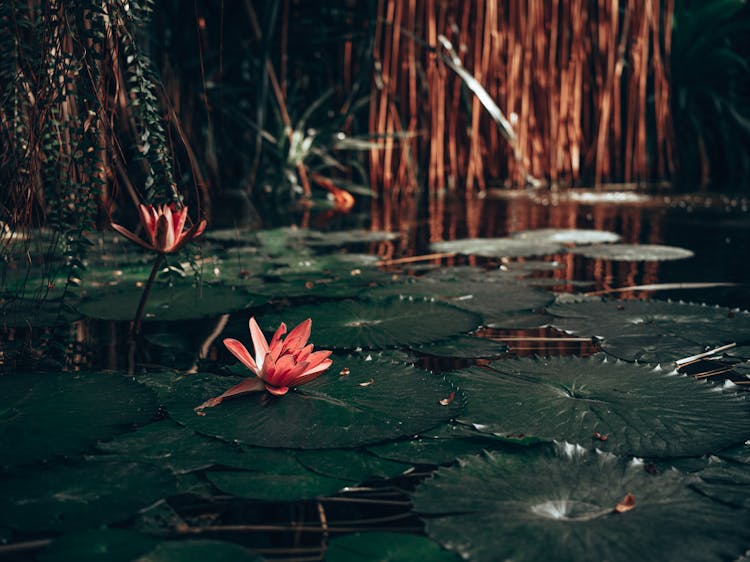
(343, 372)
(367, 383)
(626, 504)
(600, 436)
(446, 401)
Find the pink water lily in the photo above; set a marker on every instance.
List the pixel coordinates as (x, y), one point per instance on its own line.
(164, 226)
(280, 365)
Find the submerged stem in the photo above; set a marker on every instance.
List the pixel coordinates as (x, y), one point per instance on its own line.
(136, 326)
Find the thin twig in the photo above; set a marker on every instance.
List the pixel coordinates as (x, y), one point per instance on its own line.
(693, 358)
(412, 259)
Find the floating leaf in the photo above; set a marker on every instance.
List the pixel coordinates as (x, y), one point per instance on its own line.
(541, 504)
(199, 550)
(377, 324)
(177, 448)
(43, 415)
(100, 545)
(493, 301)
(567, 236)
(652, 331)
(165, 303)
(276, 487)
(498, 247)
(330, 412)
(92, 493)
(633, 252)
(643, 412)
(386, 547)
(348, 237)
(31, 313)
(355, 466)
(464, 347)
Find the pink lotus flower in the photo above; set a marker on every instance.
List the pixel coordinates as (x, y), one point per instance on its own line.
(278, 366)
(164, 226)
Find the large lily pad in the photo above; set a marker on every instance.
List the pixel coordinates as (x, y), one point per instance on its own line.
(652, 331)
(493, 301)
(43, 415)
(386, 547)
(498, 247)
(567, 236)
(356, 402)
(355, 466)
(165, 303)
(464, 347)
(610, 405)
(377, 324)
(633, 252)
(85, 495)
(199, 550)
(276, 487)
(98, 545)
(541, 505)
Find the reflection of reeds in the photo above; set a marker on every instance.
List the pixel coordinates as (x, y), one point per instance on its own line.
(576, 74)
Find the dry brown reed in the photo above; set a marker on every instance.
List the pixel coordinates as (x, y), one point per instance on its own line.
(576, 77)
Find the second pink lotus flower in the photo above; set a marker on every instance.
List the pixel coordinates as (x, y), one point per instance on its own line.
(280, 365)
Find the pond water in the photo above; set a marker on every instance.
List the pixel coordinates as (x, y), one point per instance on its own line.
(578, 410)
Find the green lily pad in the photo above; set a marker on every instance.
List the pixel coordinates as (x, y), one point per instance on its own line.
(334, 411)
(567, 236)
(386, 547)
(437, 447)
(30, 313)
(377, 324)
(100, 545)
(43, 415)
(492, 301)
(552, 504)
(633, 409)
(464, 347)
(347, 237)
(633, 252)
(498, 247)
(652, 331)
(199, 551)
(165, 303)
(88, 494)
(276, 487)
(176, 448)
(355, 466)
(346, 284)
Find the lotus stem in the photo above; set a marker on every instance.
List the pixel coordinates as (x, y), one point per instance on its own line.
(136, 327)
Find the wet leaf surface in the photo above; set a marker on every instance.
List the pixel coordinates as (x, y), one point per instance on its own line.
(642, 411)
(386, 547)
(633, 252)
(523, 507)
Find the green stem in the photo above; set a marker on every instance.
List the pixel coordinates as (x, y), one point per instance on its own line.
(136, 327)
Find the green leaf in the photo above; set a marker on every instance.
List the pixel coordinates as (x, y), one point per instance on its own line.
(633, 252)
(43, 415)
(386, 547)
(336, 410)
(100, 545)
(633, 409)
(567, 236)
(276, 487)
(199, 551)
(376, 324)
(165, 303)
(355, 466)
(652, 331)
(561, 505)
(86, 494)
(498, 247)
(464, 347)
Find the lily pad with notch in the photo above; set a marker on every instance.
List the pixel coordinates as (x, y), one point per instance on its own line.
(165, 303)
(652, 331)
(493, 301)
(633, 252)
(464, 347)
(498, 247)
(386, 547)
(98, 545)
(356, 402)
(577, 236)
(609, 405)
(49, 414)
(563, 500)
(82, 495)
(267, 486)
(377, 323)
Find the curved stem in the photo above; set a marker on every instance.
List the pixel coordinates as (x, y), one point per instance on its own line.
(136, 327)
